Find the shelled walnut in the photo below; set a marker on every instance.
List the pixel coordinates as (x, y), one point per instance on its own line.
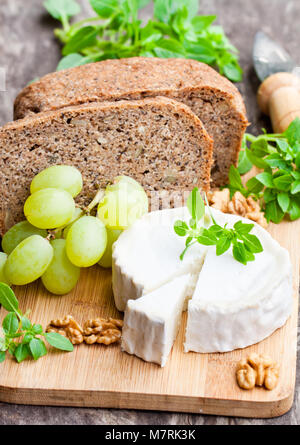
(68, 327)
(238, 205)
(257, 370)
(102, 331)
(98, 330)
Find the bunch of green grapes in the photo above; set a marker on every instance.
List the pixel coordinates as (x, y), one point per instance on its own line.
(58, 238)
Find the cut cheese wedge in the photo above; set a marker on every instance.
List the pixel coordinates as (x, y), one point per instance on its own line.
(146, 256)
(235, 306)
(152, 322)
(232, 306)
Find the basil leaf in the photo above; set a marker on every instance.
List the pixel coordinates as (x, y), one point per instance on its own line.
(245, 164)
(72, 60)
(283, 200)
(62, 8)
(292, 133)
(222, 245)
(235, 178)
(2, 356)
(252, 243)
(195, 205)
(283, 182)
(26, 324)
(273, 212)
(105, 8)
(37, 329)
(266, 179)
(180, 228)
(59, 342)
(295, 188)
(233, 71)
(254, 186)
(8, 299)
(22, 352)
(207, 238)
(256, 160)
(10, 323)
(294, 210)
(83, 38)
(3, 346)
(37, 348)
(239, 253)
(202, 22)
(243, 228)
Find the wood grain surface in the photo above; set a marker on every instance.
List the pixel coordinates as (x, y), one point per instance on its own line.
(103, 376)
(28, 49)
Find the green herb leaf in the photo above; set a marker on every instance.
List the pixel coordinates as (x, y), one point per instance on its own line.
(245, 164)
(26, 324)
(22, 352)
(283, 200)
(37, 329)
(72, 60)
(8, 299)
(222, 245)
(2, 356)
(273, 212)
(81, 39)
(59, 342)
(283, 182)
(207, 238)
(252, 243)
(266, 179)
(242, 228)
(62, 8)
(292, 133)
(294, 210)
(195, 205)
(10, 323)
(37, 348)
(181, 228)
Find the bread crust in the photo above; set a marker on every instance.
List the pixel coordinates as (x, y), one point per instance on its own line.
(213, 98)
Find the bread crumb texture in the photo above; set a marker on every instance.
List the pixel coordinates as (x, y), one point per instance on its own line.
(144, 139)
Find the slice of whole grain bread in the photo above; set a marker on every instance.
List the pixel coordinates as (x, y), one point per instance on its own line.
(214, 99)
(157, 141)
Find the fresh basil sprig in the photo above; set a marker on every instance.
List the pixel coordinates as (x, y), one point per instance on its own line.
(278, 184)
(21, 338)
(116, 32)
(244, 244)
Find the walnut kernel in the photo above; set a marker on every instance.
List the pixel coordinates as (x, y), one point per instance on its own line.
(257, 370)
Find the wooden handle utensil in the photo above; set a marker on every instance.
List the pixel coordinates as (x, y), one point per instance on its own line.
(279, 97)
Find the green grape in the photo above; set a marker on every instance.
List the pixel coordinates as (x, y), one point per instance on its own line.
(29, 260)
(61, 276)
(77, 214)
(18, 233)
(49, 208)
(124, 202)
(112, 236)
(86, 241)
(3, 259)
(63, 177)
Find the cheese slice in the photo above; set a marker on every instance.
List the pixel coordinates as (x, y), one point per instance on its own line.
(234, 305)
(152, 322)
(146, 256)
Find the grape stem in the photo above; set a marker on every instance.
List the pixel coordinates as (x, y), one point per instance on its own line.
(97, 199)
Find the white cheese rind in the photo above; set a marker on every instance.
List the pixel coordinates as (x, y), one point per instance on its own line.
(152, 322)
(235, 306)
(146, 256)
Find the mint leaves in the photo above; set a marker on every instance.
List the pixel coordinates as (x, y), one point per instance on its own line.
(116, 32)
(278, 185)
(22, 339)
(244, 244)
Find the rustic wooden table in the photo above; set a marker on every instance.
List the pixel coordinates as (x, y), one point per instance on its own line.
(28, 50)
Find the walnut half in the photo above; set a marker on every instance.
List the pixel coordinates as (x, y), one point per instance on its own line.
(238, 205)
(68, 327)
(100, 330)
(257, 370)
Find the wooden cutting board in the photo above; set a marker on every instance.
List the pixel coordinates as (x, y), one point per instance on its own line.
(99, 376)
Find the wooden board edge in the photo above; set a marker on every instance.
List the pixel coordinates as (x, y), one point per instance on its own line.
(148, 402)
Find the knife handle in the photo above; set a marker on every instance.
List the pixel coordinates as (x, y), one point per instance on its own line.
(279, 97)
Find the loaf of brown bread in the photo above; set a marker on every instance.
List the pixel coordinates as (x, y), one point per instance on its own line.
(214, 99)
(157, 141)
